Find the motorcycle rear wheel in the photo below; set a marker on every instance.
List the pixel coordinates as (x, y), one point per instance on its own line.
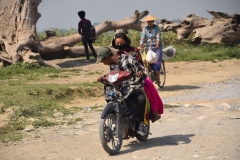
(144, 137)
(111, 140)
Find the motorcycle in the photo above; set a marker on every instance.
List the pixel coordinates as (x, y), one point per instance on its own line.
(116, 122)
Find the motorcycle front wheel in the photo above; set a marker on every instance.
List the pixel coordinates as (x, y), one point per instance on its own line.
(110, 138)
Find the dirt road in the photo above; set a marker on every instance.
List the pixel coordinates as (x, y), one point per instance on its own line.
(196, 129)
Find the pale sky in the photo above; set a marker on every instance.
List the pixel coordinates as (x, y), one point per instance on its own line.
(62, 14)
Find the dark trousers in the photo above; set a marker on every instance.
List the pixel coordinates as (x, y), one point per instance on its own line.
(136, 103)
(87, 43)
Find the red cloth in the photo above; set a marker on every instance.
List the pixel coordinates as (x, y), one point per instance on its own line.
(154, 98)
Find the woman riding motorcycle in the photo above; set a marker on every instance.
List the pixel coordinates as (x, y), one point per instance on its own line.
(123, 62)
(123, 44)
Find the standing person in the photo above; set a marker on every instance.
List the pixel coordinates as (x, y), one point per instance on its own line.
(123, 44)
(151, 35)
(85, 40)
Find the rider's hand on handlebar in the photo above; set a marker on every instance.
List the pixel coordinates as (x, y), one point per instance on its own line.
(127, 53)
(139, 74)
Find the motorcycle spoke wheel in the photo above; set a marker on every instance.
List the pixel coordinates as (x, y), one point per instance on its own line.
(111, 140)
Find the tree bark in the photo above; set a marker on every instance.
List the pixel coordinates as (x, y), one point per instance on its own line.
(18, 31)
(18, 37)
(60, 45)
(222, 28)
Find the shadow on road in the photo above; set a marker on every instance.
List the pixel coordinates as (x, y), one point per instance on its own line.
(159, 141)
(177, 87)
(74, 63)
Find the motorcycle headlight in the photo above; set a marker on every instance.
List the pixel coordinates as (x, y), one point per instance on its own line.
(113, 77)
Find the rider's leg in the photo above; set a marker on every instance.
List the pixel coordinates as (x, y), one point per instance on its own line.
(141, 98)
(154, 100)
(155, 116)
(85, 44)
(157, 67)
(91, 47)
(152, 66)
(136, 103)
(137, 100)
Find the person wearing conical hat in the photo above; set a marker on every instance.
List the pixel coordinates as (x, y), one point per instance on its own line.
(151, 36)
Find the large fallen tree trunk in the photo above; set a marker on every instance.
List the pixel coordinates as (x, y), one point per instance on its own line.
(18, 37)
(59, 46)
(19, 41)
(73, 52)
(224, 28)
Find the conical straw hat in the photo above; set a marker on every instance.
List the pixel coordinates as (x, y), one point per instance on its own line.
(149, 18)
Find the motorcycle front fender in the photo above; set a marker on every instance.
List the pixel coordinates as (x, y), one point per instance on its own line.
(112, 107)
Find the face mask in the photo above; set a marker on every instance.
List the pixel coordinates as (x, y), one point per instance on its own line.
(120, 47)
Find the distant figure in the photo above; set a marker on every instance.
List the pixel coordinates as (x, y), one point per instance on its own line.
(151, 34)
(82, 31)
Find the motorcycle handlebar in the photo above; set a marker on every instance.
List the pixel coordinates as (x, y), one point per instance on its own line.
(133, 75)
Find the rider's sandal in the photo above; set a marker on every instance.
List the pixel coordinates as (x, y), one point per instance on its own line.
(158, 82)
(155, 118)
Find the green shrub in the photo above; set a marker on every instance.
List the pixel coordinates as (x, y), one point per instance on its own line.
(8, 134)
(134, 37)
(186, 51)
(104, 39)
(27, 71)
(206, 52)
(43, 123)
(168, 38)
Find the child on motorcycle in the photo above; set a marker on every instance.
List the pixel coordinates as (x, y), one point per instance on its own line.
(125, 62)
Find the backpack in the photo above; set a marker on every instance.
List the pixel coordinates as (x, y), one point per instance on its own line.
(89, 32)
